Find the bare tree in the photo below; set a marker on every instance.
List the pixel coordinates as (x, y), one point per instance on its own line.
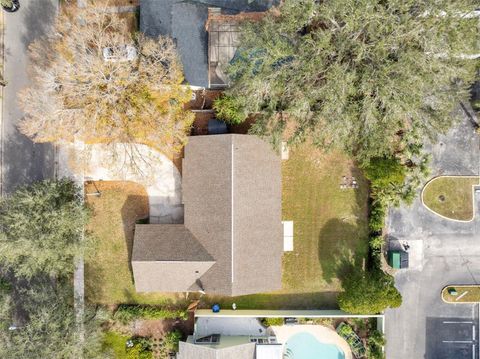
(96, 81)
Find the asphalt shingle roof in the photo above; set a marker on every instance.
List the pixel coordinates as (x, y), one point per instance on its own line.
(232, 197)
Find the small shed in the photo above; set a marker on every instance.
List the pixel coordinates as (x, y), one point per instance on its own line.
(398, 259)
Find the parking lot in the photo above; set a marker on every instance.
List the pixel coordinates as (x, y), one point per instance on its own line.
(455, 338)
(446, 252)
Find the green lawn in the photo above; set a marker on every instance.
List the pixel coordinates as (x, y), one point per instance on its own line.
(451, 197)
(115, 343)
(108, 276)
(330, 231)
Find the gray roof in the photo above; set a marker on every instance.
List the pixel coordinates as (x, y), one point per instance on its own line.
(195, 351)
(232, 197)
(184, 21)
(169, 251)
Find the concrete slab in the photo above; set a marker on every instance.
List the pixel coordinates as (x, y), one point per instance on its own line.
(156, 173)
(229, 326)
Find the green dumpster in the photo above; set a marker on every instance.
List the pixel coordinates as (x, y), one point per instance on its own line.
(398, 259)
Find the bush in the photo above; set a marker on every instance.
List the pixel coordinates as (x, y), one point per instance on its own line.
(384, 172)
(5, 286)
(268, 322)
(369, 292)
(228, 110)
(376, 220)
(171, 340)
(126, 313)
(375, 343)
(476, 105)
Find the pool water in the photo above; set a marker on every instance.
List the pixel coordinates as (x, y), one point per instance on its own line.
(306, 346)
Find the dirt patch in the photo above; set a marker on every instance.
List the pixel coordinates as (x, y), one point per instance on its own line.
(153, 328)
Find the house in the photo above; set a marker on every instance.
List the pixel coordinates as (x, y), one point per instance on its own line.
(231, 242)
(273, 334)
(205, 32)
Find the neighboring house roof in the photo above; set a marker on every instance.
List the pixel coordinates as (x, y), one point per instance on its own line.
(242, 351)
(184, 21)
(232, 197)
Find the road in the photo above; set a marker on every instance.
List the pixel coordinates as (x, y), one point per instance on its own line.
(22, 161)
(424, 326)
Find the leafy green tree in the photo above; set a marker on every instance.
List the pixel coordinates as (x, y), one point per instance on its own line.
(383, 172)
(42, 228)
(48, 329)
(227, 110)
(369, 292)
(371, 77)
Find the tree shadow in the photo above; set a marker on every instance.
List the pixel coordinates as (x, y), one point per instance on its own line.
(342, 243)
(24, 161)
(133, 211)
(276, 301)
(39, 16)
(335, 252)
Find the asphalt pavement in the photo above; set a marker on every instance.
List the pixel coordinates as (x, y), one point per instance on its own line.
(424, 326)
(22, 161)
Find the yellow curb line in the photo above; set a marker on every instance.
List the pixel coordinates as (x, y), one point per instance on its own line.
(473, 197)
(458, 286)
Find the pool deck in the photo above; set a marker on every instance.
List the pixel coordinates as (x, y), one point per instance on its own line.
(323, 334)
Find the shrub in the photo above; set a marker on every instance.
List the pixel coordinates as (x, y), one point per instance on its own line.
(384, 172)
(228, 110)
(376, 220)
(171, 339)
(476, 105)
(126, 313)
(5, 286)
(375, 342)
(268, 322)
(369, 292)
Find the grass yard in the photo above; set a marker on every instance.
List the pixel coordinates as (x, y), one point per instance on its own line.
(464, 294)
(108, 277)
(115, 343)
(451, 197)
(330, 231)
(330, 234)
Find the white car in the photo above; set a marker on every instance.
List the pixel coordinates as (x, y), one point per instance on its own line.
(120, 53)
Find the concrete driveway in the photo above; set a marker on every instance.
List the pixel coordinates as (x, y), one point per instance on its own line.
(424, 326)
(22, 161)
(154, 171)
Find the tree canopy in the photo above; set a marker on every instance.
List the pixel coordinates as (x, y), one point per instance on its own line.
(369, 292)
(48, 328)
(41, 228)
(96, 81)
(368, 77)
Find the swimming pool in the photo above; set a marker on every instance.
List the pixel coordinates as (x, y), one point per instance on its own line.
(306, 346)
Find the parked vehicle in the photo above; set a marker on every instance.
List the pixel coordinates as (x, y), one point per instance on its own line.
(120, 53)
(10, 5)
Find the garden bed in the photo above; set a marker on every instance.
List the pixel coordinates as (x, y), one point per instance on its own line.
(451, 197)
(461, 294)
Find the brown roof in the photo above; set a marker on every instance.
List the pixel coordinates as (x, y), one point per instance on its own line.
(232, 197)
(167, 258)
